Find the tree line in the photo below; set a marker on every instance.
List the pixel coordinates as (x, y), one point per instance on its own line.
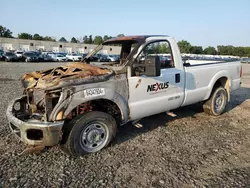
(185, 46)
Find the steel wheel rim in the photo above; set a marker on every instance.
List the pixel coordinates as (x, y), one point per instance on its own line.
(219, 101)
(94, 136)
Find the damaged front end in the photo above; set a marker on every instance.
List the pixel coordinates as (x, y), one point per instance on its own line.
(30, 116)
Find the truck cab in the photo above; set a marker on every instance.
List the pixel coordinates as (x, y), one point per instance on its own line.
(160, 91)
(80, 105)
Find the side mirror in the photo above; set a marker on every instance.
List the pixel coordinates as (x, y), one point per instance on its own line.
(152, 66)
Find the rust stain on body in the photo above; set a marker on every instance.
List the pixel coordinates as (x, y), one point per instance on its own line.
(59, 116)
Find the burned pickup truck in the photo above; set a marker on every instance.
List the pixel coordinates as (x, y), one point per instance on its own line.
(80, 105)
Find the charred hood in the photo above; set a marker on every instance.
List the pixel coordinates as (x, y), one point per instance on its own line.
(62, 76)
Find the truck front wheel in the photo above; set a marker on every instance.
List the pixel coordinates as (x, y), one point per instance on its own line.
(90, 133)
(217, 102)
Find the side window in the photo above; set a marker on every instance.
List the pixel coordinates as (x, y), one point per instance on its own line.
(161, 49)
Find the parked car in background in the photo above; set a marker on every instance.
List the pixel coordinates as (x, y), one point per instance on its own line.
(30, 57)
(93, 58)
(62, 53)
(19, 54)
(37, 53)
(2, 57)
(74, 57)
(245, 60)
(248, 60)
(59, 57)
(116, 57)
(102, 58)
(84, 55)
(10, 56)
(111, 58)
(50, 53)
(45, 58)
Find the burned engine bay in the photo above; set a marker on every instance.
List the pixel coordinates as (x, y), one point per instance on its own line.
(44, 88)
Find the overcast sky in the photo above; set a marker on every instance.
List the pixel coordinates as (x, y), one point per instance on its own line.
(204, 23)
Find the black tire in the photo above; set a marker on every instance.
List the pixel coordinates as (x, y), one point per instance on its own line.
(93, 128)
(217, 102)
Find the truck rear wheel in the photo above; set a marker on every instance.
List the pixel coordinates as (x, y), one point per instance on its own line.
(217, 102)
(90, 133)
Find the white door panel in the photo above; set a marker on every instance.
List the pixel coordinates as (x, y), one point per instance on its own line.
(152, 95)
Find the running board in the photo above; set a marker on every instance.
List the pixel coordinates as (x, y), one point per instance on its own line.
(171, 114)
(137, 124)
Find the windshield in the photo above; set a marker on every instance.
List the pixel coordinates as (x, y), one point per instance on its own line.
(123, 47)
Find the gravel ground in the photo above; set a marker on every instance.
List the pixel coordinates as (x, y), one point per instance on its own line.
(192, 149)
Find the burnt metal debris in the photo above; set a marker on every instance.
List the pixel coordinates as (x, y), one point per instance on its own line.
(49, 79)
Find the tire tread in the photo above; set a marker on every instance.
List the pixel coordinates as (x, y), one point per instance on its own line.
(73, 127)
(208, 105)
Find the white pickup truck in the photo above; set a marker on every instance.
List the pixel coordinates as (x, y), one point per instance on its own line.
(81, 105)
(74, 57)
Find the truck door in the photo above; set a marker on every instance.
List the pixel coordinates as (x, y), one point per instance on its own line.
(152, 95)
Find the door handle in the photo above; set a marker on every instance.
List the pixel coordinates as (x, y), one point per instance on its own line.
(177, 78)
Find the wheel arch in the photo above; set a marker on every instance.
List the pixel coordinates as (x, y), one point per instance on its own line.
(117, 101)
(222, 79)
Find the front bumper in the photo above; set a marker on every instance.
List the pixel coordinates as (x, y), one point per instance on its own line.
(31, 131)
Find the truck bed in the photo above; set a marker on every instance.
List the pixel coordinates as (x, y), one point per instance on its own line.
(200, 78)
